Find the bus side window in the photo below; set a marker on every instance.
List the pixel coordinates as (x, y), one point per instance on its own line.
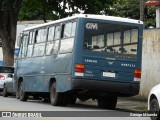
(20, 51)
(51, 33)
(40, 38)
(23, 49)
(68, 37)
(57, 32)
(30, 45)
(67, 30)
(73, 29)
(31, 37)
(53, 40)
(41, 35)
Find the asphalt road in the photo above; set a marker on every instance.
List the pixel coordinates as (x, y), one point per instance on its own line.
(79, 111)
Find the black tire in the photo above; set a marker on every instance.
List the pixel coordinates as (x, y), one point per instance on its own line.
(154, 108)
(5, 93)
(107, 102)
(23, 96)
(17, 94)
(72, 100)
(56, 98)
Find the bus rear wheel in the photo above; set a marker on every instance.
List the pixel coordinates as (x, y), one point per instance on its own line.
(23, 96)
(56, 98)
(107, 102)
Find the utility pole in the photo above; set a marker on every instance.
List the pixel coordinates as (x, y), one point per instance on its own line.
(141, 10)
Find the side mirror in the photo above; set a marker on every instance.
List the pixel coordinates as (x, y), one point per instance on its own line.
(19, 40)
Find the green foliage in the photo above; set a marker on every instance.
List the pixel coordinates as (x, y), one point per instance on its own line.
(131, 9)
(56, 9)
(34, 10)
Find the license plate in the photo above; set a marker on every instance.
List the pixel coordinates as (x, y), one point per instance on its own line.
(109, 74)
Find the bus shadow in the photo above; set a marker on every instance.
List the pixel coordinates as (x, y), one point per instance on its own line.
(85, 106)
(79, 105)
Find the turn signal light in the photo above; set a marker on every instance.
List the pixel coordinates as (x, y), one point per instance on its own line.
(79, 66)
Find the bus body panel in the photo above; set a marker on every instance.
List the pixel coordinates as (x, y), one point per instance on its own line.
(37, 72)
(96, 63)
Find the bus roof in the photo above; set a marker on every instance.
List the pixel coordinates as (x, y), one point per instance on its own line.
(101, 17)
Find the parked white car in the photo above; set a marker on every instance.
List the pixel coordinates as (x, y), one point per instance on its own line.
(5, 75)
(154, 102)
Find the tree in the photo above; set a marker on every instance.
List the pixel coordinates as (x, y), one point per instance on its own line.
(40, 9)
(35, 10)
(9, 10)
(56, 9)
(131, 9)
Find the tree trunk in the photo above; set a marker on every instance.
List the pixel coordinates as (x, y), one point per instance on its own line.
(8, 28)
(8, 45)
(8, 36)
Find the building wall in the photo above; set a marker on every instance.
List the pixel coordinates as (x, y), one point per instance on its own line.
(150, 62)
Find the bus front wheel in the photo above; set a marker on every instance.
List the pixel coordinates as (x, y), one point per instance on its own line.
(107, 102)
(57, 98)
(23, 96)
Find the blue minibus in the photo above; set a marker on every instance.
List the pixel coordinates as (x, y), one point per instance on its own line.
(84, 56)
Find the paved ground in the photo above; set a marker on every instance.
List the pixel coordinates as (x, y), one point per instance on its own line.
(127, 104)
(89, 110)
(130, 103)
(125, 107)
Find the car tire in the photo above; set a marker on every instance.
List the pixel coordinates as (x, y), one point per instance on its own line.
(5, 93)
(56, 98)
(17, 94)
(23, 96)
(154, 108)
(107, 102)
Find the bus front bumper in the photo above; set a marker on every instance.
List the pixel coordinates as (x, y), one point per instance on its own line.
(119, 88)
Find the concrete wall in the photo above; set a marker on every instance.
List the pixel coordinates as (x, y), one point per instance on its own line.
(150, 62)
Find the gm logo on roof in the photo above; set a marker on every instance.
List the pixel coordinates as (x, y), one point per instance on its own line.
(92, 26)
